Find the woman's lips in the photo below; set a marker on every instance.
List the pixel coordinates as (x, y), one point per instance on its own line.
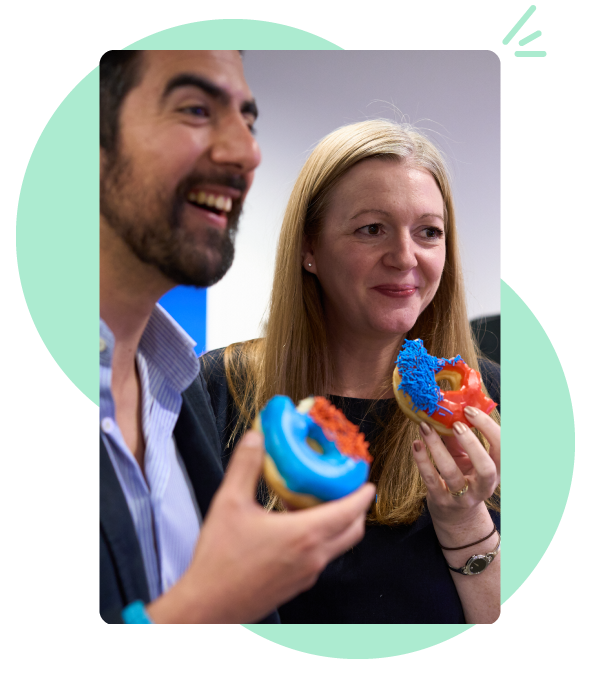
(396, 291)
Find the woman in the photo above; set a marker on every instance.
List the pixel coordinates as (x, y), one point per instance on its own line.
(368, 256)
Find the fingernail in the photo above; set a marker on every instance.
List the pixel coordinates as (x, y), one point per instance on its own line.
(425, 428)
(416, 446)
(459, 427)
(471, 412)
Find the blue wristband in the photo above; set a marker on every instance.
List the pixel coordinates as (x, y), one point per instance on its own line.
(135, 613)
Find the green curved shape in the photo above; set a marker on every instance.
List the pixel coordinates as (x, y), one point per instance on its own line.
(233, 34)
(57, 217)
(358, 641)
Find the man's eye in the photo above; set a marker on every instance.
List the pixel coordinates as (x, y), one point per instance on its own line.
(196, 110)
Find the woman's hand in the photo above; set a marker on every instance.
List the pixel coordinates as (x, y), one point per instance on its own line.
(464, 461)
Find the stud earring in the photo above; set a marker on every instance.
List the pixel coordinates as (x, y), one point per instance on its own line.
(310, 264)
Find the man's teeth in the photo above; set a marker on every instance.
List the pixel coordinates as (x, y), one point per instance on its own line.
(219, 202)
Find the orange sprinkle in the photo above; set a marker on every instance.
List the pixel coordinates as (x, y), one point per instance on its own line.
(348, 439)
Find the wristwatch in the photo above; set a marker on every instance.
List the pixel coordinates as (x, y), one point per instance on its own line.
(476, 564)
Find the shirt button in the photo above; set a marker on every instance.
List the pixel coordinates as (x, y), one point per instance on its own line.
(106, 425)
(102, 345)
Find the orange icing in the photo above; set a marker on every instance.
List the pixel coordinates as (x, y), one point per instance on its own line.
(470, 393)
(348, 439)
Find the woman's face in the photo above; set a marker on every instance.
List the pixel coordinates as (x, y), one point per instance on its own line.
(381, 251)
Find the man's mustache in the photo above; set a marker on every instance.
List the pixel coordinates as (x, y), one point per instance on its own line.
(235, 181)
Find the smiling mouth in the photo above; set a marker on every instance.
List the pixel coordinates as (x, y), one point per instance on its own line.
(211, 202)
(393, 291)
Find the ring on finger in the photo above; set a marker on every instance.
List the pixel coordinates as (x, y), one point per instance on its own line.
(459, 493)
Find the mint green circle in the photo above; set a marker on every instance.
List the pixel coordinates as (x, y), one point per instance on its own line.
(57, 314)
(233, 34)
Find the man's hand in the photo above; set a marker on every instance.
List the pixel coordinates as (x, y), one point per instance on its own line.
(248, 561)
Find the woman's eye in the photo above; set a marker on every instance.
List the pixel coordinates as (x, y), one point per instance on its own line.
(433, 233)
(371, 229)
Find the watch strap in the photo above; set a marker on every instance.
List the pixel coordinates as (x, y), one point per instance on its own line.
(488, 558)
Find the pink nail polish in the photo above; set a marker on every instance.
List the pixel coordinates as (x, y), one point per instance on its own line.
(425, 428)
(470, 411)
(459, 427)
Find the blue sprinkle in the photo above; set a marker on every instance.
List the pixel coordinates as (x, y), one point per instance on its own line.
(418, 369)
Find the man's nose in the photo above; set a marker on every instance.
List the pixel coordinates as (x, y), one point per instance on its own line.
(234, 144)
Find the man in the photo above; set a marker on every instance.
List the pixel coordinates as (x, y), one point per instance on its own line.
(177, 160)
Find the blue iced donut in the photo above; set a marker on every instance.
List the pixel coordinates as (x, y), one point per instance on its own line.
(303, 475)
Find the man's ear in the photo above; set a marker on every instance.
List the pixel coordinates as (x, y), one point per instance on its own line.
(308, 257)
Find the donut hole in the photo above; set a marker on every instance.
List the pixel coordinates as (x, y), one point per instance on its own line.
(314, 446)
(448, 380)
(445, 385)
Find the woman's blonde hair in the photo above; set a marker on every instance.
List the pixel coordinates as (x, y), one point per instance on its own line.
(293, 358)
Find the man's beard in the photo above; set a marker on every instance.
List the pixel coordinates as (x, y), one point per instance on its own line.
(150, 222)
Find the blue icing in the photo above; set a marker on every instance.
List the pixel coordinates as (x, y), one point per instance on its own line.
(418, 369)
(328, 476)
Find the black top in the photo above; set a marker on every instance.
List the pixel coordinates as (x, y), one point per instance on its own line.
(395, 574)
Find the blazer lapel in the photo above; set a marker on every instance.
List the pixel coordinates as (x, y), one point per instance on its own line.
(198, 444)
(119, 530)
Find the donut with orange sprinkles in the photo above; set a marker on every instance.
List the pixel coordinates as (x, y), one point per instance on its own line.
(313, 453)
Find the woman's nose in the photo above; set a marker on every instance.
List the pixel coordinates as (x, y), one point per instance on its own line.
(234, 144)
(401, 254)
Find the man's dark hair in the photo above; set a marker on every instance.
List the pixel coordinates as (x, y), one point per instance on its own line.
(120, 72)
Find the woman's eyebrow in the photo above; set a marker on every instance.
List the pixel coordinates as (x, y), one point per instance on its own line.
(387, 213)
(363, 211)
(210, 88)
(431, 215)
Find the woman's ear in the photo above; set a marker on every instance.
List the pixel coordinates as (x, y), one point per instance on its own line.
(308, 257)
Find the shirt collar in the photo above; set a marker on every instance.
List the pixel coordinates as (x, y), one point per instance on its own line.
(165, 344)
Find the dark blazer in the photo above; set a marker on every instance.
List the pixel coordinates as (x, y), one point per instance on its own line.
(122, 574)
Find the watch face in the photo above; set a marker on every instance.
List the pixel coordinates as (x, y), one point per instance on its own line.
(478, 565)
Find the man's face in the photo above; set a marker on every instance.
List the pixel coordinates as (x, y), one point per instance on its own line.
(184, 161)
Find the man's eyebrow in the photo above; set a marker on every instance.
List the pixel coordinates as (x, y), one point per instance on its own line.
(189, 80)
(208, 87)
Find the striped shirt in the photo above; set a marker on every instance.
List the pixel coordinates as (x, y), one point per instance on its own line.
(160, 499)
